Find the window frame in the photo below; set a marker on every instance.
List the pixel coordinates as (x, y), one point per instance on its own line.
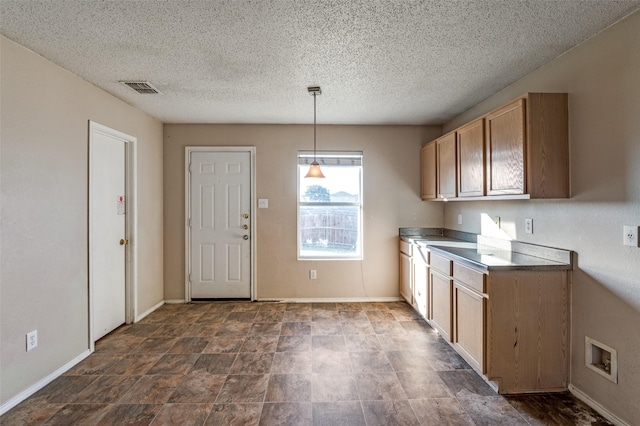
(320, 156)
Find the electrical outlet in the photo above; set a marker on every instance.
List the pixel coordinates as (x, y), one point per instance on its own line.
(32, 340)
(528, 226)
(631, 235)
(459, 218)
(496, 220)
(313, 274)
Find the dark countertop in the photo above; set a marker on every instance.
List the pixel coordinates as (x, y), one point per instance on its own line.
(487, 258)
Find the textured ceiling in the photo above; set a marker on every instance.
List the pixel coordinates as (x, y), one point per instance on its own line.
(378, 62)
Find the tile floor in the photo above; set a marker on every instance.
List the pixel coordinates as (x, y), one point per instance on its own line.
(241, 363)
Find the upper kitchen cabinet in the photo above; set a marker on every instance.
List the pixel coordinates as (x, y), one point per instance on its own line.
(428, 177)
(470, 146)
(527, 147)
(517, 151)
(446, 168)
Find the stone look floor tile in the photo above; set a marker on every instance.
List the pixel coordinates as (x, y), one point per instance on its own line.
(289, 388)
(492, 410)
(380, 386)
(78, 414)
(333, 387)
(151, 390)
(134, 365)
(224, 344)
(291, 362)
(106, 390)
(370, 362)
(199, 386)
(182, 415)
(440, 411)
(295, 329)
(243, 388)
(249, 363)
(130, 414)
(323, 361)
(389, 413)
(286, 413)
(214, 363)
(260, 344)
(172, 364)
(234, 415)
(423, 385)
(252, 363)
(338, 413)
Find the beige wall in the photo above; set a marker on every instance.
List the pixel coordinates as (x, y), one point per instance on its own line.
(391, 200)
(602, 77)
(45, 112)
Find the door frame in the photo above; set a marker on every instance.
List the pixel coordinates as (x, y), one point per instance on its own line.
(131, 229)
(187, 213)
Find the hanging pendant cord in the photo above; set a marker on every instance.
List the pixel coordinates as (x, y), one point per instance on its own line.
(314, 127)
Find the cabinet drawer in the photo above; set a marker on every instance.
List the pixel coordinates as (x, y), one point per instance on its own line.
(441, 264)
(406, 248)
(467, 276)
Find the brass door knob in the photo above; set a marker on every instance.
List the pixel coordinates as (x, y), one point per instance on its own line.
(246, 216)
(245, 237)
(245, 226)
(124, 242)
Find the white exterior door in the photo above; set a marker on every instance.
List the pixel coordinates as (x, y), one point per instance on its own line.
(107, 232)
(219, 224)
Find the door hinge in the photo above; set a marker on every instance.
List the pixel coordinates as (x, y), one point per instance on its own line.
(189, 222)
(189, 167)
(189, 277)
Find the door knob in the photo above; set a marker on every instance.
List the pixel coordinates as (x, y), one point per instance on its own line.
(124, 242)
(245, 226)
(246, 216)
(245, 237)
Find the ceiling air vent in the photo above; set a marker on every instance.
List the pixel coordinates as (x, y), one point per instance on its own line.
(142, 87)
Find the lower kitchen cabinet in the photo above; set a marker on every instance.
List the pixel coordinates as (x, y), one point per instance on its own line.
(440, 303)
(469, 322)
(420, 280)
(406, 271)
(510, 325)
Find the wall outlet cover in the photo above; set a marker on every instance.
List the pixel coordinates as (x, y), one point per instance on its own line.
(528, 226)
(630, 235)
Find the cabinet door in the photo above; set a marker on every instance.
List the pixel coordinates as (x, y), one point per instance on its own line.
(420, 280)
(505, 152)
(469, 325)
(470, 140)
(405, 277)
(447, 185)
(440, 303)
(429, 189)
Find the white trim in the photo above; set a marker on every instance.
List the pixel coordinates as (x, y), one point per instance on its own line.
(253, 213)
(174, 301)
(331, 299)
(131, 228)
(596, 406)
(148, 311)
(17, 399)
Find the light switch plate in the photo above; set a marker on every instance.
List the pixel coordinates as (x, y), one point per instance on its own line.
(263, 203)
(630, 237)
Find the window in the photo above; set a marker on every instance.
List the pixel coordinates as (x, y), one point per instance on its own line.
(330, 209)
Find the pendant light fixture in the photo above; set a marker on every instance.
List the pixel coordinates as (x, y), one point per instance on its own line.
(314, 169)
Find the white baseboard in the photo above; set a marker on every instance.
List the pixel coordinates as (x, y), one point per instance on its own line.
(331, 299)
(174, 301)
(17, 399)
(596, 406)
(148, 311)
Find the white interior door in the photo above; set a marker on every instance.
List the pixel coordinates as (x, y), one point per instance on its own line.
(219, 224)
(107, 232)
